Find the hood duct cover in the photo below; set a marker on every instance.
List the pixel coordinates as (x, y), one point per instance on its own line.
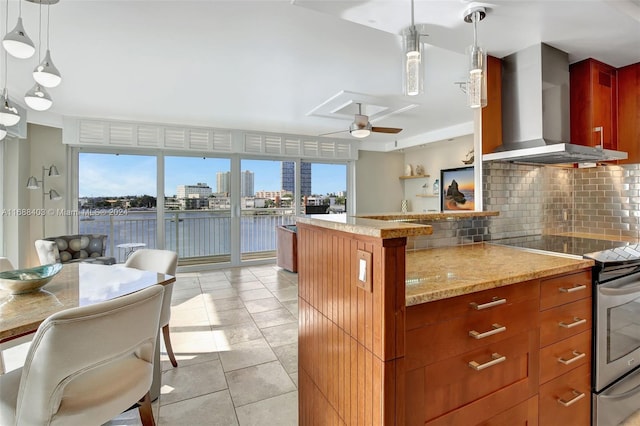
(535, 111)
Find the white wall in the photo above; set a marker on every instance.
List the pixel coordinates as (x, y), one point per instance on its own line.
(378, 188)
(434, 157)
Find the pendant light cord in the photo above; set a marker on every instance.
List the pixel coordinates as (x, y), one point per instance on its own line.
(39, 32)
(6, 31)
(48, 4)
(474, 18)
(412, 21)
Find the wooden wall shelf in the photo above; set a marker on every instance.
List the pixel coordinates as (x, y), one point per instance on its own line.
(427, 196)
(414, 177)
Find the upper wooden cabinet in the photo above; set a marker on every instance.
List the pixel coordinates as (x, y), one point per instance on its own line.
(594, 104)
(492, 113)
(629, 112)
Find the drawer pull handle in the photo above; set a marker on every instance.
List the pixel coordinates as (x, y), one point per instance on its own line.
(576, 321)
(495, 359)
(494, 302)
(577, 396)
(576, 356)
(496, 328)
(572, 289)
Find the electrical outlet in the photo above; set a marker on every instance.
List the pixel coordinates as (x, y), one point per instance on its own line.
(364, 280)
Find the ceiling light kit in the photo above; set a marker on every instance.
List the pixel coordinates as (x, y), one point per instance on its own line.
(361, 126)
(18, 44)
(476, 86)
(413, 68)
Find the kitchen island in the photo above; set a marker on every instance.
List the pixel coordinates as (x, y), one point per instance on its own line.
(438, 336)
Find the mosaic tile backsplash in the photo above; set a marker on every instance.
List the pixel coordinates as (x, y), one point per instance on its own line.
(603, 201)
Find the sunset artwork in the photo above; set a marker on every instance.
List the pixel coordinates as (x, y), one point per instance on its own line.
(457, 189)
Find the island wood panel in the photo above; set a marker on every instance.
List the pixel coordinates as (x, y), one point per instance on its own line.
(348, 341)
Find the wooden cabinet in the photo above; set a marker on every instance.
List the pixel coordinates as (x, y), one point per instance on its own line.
(593, 104)
(492, 113)
(629, 112)
(517, 355)
(565, 350)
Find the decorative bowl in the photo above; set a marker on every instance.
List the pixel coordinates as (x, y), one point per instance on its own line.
(28, 280)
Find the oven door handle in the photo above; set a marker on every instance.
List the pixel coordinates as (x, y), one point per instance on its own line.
(619, 291)
(623, 395)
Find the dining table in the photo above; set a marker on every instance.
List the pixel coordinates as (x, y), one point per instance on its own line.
(77, 284)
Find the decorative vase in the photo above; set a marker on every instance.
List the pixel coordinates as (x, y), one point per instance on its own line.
(404, 206)
(408, 170)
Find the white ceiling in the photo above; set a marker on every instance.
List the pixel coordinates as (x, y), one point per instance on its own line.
(268, 65)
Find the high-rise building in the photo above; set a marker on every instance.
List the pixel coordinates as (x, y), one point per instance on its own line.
(247, 184)
(223, 183)
(289, 177)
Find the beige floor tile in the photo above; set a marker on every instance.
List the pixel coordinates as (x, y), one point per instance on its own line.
(182, 383)
(281, 410)
(288, 356)
(280, 335)
(262, 305)
(288, 294)
(226, 337)
(255, 294)
(248, 285)
(258, 382)
(222, 293)
(214, 409)
(246, 354)
(230, 317)
(273, 318)
(219, 305)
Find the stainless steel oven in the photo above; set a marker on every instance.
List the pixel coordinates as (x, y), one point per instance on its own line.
(616, 334)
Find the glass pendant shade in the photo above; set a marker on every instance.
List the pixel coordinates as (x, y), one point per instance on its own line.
(38, 98)
(17, 43)
(477, 82)
(413, 80)
(9, 115)
(46, 72)
(3, 132)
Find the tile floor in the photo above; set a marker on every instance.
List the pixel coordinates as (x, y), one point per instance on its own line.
(235, 335)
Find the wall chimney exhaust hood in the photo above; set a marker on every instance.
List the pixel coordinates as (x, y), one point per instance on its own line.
(535, 111)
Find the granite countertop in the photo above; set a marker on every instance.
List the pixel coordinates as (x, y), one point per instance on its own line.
(366, 227)
(426, 216)
(440, 273)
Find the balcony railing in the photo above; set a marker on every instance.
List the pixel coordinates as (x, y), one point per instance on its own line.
(198, 236)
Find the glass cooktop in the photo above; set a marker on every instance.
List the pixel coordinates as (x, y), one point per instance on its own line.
(576, 246)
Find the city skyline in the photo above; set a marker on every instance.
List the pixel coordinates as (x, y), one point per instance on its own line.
(136, 174)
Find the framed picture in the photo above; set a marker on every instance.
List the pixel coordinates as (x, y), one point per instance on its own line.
(457, 189)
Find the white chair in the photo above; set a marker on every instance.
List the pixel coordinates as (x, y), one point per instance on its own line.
(87, 365)
(164, 262)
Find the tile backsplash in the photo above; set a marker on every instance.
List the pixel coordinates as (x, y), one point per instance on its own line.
(603, 201)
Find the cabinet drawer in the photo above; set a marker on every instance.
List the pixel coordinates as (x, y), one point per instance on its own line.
(567, 399)
(494, 299)
(565, 321)
(564, 289)
(565, 355)
(455, 382)
(523, 414)
(436, 342)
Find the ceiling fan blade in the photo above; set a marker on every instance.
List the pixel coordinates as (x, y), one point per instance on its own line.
(386, 130)
(333, 133)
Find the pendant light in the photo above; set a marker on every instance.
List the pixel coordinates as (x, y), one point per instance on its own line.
(46, 73)
(477, 82)
(9, 115)
(412, 61)
(37, 98)
(16, 42)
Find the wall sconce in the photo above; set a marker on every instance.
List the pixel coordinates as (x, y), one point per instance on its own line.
(34, 183)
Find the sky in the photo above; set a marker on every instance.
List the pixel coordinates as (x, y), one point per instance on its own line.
(115, 175)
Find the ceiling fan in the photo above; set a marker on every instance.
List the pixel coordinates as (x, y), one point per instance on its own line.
(361, 127)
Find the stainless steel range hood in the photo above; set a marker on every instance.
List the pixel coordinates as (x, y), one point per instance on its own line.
(535, 111)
